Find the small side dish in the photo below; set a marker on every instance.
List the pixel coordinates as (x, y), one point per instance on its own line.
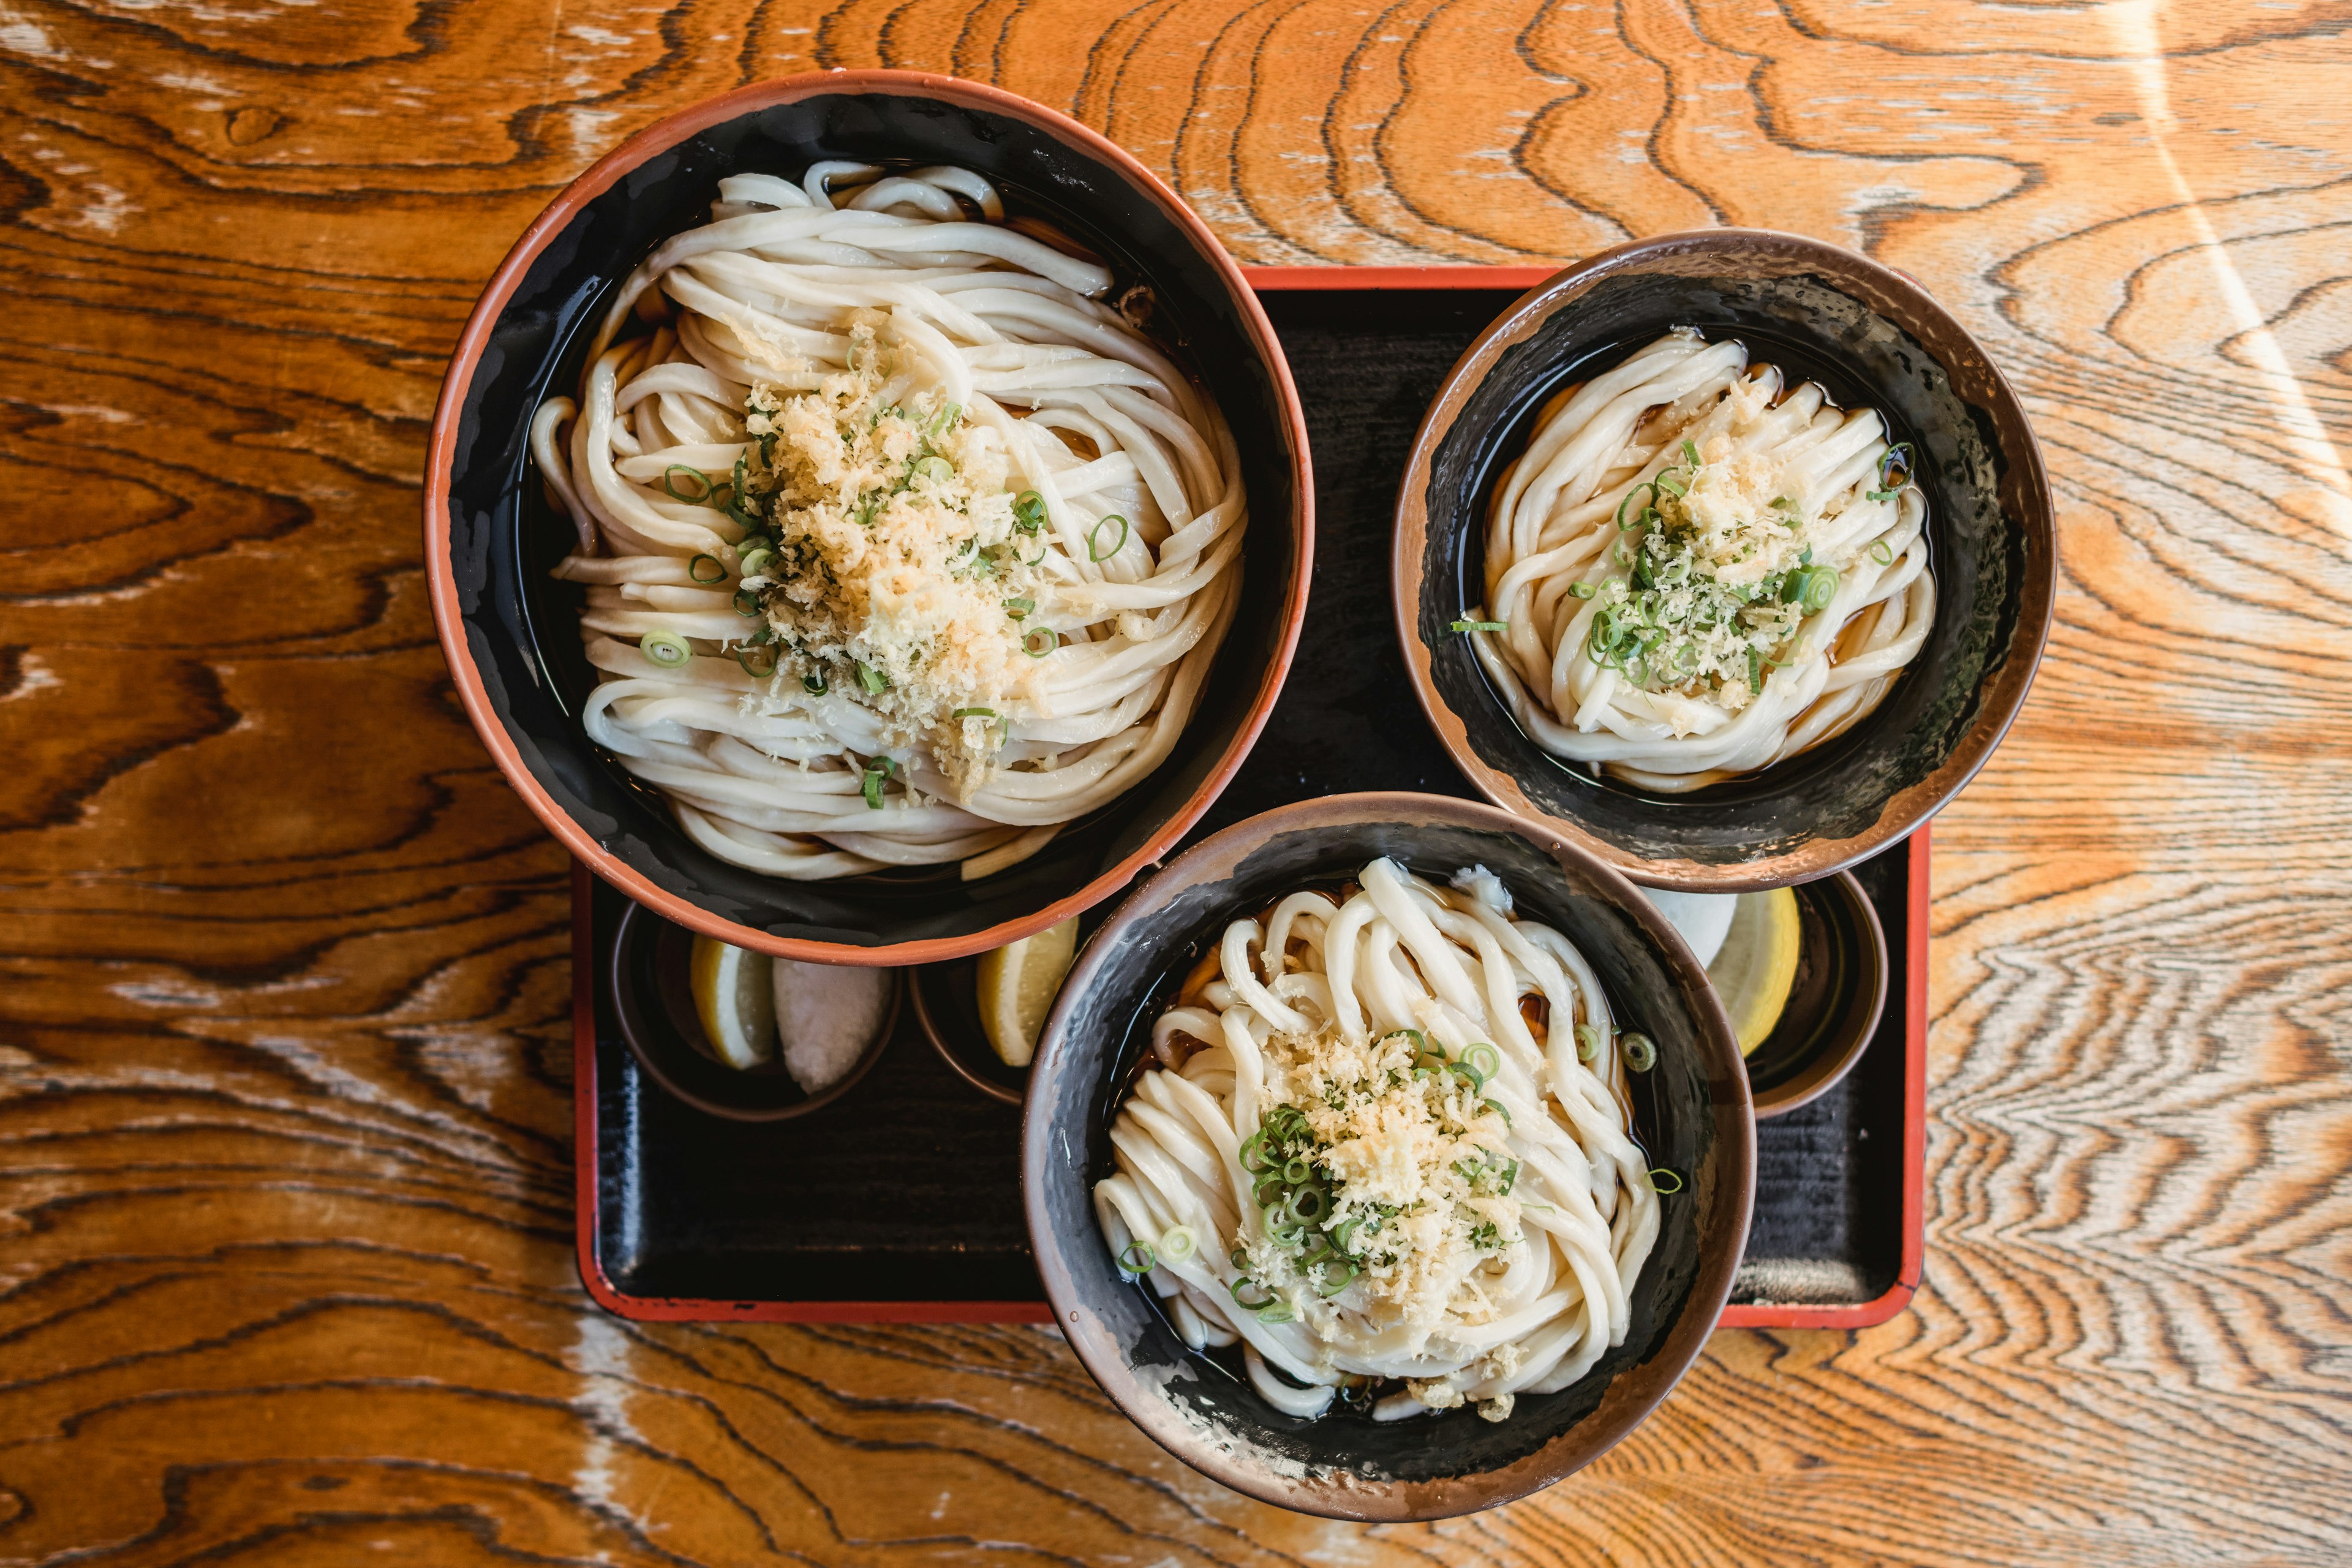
(823, 1016)
(901, 545)
(1385, 1144)
(1695, 571)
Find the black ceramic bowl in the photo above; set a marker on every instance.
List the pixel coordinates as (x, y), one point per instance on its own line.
(1691, 1114)
(511, 633)
(1871, 336)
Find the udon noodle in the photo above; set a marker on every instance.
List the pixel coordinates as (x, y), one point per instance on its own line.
(900, 547)
(1387, 1139)
(1691, 576)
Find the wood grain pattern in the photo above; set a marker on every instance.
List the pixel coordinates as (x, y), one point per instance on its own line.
(284, 1264)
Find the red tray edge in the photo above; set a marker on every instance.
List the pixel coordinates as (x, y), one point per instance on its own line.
(655, 1308)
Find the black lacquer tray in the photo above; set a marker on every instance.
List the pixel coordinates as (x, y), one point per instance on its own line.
(902, 1200)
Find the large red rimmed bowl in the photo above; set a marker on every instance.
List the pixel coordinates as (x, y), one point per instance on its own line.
(509, 630)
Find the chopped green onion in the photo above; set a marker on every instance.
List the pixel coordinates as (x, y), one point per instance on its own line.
(877, 774)
(814, 683)
(1019, 608)
(1673, 486)
(1588, 1042)
(1137, 1259)
(1499, 1108)
(1252, 1153)
(1673, 1177)
(1348, 1268)
(1029, 511)
(1095, 552)
(717, 569)
(1265, 1297)
(1690, 451)
(1817, 586)
(1482, 1059)
(1309, 1203)
(937, 470)
(746, 602)
(1641, 1052)
(1883, 552)
(1296, 1171)
(1178, 1243)
(1041, 642)
(1623, 526)
(1782, 503)
(1482, 625)
(759, 663)
(945, 417)
(1581, 590)
(700, 497)
(754, 560)
(873, 679)
(1277, 1312)
(973, 713)
(667, 649)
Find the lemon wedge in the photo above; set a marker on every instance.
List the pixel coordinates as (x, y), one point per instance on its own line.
(1756, 967)
(1017, 984)
(735, 998)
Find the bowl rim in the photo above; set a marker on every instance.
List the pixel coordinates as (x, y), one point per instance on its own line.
(1890, 293)
(1825, 1071)
(450, 621)
(1444, 1497)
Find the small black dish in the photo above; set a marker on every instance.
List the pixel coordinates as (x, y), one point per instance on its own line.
(647, 985)
(1691, 1112)
(946, 1009)
(1834, 1006)
(1871, 335)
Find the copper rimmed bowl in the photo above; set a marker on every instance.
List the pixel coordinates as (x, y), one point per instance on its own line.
(1691, 1112)
(1872, 336)
(510, 631)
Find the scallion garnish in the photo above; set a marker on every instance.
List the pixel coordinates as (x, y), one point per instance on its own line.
(1019, 608)
(1482, 1059)
(1882, 553)
(1588, 1042)
(759, 663)
(717, 569)
(1658, 1178)
(1095, 552)
(1029, 511)
(667, 649)
(877, 774)
(1482, 625)
(871, 679)
(1137, 1259)
(1178, 1243)
(1641, 1052)
(753, 561)
(1040, 642)
(702, 481)
(1581, 590)
(814, 684)
(746, 602)
(974, 713)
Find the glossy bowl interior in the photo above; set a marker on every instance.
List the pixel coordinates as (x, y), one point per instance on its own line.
(1692, 1113)
(510, 632)
(1871, 336)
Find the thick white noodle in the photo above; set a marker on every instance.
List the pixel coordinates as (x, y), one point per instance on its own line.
(758, 772)
(1402, 954)
(1554, 524)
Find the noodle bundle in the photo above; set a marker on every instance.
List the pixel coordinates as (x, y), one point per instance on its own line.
(1692, 576)
(1387, 1138)
(900, 548)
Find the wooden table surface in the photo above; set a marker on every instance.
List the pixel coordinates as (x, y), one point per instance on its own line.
(286, 1272)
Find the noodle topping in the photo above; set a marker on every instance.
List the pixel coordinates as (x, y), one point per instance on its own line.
(894, 558)
(1415, 1176)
